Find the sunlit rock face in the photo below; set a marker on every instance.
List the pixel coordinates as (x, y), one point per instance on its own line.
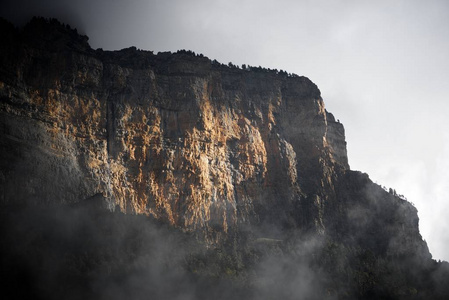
(202, 146)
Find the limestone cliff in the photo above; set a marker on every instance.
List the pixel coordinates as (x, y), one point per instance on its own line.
(202, 146)
(247, 160)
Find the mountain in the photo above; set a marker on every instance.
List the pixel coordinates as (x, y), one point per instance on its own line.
(125, 174)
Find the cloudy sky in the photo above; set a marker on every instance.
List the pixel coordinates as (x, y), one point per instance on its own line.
(382, 68)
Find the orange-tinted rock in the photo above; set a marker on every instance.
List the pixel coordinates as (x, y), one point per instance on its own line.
(202, 146)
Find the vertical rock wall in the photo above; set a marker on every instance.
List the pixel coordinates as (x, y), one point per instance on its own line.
(197, 144)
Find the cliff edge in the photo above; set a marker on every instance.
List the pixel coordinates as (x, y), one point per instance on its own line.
(215, 150)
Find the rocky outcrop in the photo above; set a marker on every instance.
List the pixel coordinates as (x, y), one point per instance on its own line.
(249, 160)
(201, 146)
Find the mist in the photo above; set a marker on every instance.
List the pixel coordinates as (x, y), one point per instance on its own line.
(86, 251)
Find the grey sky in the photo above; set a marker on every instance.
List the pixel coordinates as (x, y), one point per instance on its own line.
(382, 68)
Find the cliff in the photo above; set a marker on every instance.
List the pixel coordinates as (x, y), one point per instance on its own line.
(175, 136)
(210, 149)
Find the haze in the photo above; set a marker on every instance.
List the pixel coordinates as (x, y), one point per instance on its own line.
(382, 68)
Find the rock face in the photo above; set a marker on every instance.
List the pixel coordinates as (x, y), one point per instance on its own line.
(201, 146)
(248, 161)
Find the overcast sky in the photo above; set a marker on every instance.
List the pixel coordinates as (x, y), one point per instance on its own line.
(382, 68)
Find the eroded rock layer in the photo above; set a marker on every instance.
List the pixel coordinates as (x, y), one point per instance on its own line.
(202, 146)
(176, 136)
(225, 182)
